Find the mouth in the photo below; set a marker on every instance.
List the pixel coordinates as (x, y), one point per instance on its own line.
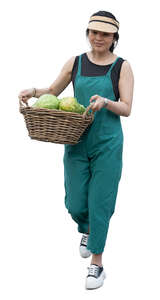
(98, 44)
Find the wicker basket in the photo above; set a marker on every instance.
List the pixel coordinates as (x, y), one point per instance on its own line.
(56, 126)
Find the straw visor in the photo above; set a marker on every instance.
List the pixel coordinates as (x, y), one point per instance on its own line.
(104, 24)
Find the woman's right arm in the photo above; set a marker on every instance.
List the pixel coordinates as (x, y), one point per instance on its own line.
(56, 88)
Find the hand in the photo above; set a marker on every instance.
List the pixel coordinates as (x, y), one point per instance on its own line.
(25, 95)
(99, 103)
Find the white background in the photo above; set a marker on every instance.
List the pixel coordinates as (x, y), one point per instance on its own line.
(39, 242)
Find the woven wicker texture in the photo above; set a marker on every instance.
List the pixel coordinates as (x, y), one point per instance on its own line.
(56, 126)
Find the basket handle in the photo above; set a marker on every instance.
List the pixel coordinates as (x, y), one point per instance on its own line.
(21, 104)
(87, 109)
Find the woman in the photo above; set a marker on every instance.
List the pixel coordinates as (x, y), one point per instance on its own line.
(92, 168)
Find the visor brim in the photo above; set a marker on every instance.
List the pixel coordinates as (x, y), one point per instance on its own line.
(99, 26)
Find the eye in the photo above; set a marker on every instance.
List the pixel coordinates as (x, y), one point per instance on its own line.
(94, 32)
(106, 34)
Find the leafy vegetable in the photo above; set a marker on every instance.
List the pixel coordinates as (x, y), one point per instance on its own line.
(47, 101)
(71, 104)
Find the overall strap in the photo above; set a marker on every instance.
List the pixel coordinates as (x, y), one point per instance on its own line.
(79, 65)
(112, 65)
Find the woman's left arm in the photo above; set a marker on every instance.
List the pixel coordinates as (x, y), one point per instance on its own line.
(126, 84)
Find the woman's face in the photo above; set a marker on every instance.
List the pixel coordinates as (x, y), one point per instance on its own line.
(100, 41)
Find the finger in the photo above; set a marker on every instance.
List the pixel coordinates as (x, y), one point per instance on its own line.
(20, 97)
(94, 107)
(24, 99)
(93, 98)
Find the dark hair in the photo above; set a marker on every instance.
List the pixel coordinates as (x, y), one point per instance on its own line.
(109, 15)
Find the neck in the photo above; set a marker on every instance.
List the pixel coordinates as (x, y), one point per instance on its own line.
(101, 55)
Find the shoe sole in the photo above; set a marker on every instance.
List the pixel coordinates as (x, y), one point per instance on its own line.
(93, 288)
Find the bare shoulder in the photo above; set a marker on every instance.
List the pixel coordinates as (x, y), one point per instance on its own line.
(126, 70)
(68, 66)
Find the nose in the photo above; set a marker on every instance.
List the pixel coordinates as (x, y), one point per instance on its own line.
(99, 36)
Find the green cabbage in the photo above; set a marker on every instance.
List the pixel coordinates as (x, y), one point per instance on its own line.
(47, 101)
(82, 109)
(71, 104)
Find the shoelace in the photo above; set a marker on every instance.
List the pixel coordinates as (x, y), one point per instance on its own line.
(84, 240)
(93, 270)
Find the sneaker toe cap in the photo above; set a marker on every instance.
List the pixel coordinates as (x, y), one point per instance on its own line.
(84, 252)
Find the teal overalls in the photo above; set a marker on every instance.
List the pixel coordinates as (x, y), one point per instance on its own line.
(92, 168)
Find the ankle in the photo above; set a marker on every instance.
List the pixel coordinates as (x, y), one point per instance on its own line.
(96, 263)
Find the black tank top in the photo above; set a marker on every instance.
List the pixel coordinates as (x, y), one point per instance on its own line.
(90, 69)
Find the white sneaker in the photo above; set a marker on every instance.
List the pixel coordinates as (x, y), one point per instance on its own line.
(95, 277)
(84, 252)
